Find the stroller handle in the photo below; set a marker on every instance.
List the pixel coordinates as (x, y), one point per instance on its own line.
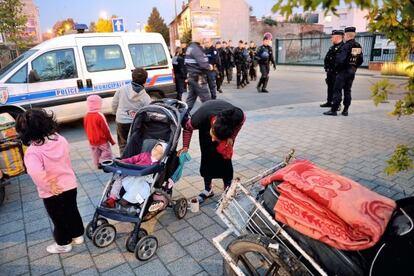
(172, 102)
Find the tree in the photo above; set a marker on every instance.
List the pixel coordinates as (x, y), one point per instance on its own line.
(92, 27)
(13, 23)
(187, 36)
(395, 19)
(156, 24)
(61, 27)
(269, 21)
(104, 26)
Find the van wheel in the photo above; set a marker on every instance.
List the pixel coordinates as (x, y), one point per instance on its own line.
(155, 95)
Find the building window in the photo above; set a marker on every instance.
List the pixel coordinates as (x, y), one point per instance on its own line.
(148, 55)
(103, 58)
(20, 76)
(56, 65)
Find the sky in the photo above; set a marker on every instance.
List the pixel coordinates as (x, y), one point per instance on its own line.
(133, 11)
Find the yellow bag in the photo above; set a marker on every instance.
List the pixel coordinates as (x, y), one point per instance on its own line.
(11, 159)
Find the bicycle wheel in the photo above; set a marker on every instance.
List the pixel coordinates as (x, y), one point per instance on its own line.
(259, 255)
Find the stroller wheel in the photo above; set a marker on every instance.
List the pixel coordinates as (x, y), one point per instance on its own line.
(104, 235)
(180, 208)
(130, 243)
(89, 228)
(146, 248)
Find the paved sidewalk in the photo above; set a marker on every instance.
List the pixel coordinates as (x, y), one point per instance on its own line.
(355, 146)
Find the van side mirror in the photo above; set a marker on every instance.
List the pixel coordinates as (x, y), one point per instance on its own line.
(33, 76)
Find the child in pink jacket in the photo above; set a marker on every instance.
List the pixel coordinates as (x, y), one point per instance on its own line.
(48, 163)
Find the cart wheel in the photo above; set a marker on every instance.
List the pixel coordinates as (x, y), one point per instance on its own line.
(2, 194)
(180, 208)
(104, 235)
(146, 248)
(130, 244)
(254, 256)
(89, 228)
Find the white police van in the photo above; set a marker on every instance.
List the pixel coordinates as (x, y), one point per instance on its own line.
(60, 73)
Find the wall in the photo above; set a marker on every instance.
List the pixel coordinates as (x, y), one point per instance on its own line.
(234, 20)
(346, 18)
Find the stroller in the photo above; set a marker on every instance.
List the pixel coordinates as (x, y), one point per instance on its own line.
(264, 246)
(11, 148)
(160, 121)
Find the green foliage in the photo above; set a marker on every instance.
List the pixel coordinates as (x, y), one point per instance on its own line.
(380, 90)
(404, 106)
(187, 36)
(269, 21)
(398, 69)
(401, 160)
(13, 22)
(63, 26)
(156, 24)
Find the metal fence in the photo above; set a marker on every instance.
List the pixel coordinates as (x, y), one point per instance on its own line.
(312, 51)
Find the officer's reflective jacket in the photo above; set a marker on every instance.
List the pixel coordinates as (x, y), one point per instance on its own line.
(264, 55)
(196, 60)
(349, 56)
(329, 61)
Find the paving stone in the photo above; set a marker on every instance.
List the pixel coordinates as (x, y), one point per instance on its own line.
(35, 215)
(170, 252)
(12, 239)
(177, 226)
(17, 267)
(201, 249)
(109, 260)
(201, 221)
(152, 268)
(77, 263)
(56, 273)
(184, 266)
(11, 227)
(38, 237)
(122, 270)
(45, 265)
(87, 272)
(213, 264)
(212, 231)
(37, 225)
(96, 250)
(10, 216)
(187, 236)
(12, 253)
(39, 250)
(163, 237)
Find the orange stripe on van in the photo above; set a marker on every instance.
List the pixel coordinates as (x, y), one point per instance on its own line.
(155, 78)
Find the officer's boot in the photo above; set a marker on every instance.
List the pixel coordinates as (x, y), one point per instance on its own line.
(264, 90)
(259, 85)
(345, 110)
(333, 110)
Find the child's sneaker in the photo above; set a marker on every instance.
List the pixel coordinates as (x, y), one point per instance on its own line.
(109, 203)
(57, 249)
(77, 241)
(204, 195)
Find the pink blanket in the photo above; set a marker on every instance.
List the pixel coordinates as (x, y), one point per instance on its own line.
(329, 207)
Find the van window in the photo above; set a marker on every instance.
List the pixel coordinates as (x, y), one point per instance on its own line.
(148, 55)
(20, 76)
(15, 63)
(103, 58)
(56, 65)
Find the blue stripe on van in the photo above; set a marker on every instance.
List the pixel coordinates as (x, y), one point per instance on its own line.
(68, 91)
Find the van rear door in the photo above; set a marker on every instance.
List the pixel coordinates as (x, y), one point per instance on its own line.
(104, 64)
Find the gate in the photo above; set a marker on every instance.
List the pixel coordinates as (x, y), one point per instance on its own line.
(312, 51)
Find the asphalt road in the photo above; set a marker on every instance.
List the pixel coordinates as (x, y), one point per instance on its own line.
(287, 85)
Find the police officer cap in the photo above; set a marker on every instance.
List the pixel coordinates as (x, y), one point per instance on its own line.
(350, 29)
(337, 32)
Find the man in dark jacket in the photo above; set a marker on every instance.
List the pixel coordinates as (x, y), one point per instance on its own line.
(253, 63)
(348, 59)
(239, 61)
(180, 72)
(228, 61)
(220, 66)
(213, 58)
(329, 64)
(264, 55)
(197, 66)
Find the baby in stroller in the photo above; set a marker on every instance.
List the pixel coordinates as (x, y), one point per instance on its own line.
(137, 188)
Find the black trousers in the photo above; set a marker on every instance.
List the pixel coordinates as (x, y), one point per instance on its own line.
(180, 87)
(343, 81)
(252, 72)
(330, 82)
(208, 181)
(63, 210)
(245, 74)
(197, 87)
(229, 73)
(122, 131)
(238, 73)
(211, 80)
(264, 78)
(220, 78)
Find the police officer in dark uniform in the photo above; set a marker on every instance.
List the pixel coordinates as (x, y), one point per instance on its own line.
(253, 61)
(246, 65)
(180, 72)
(220, 66)
(212, 55)
(264, 55)
(329, 64)
(240, 62)
(348, 59)
(228, 61)
(197, 66)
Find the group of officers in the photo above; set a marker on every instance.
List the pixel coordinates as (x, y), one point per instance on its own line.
(204, 66)
(341, 63)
